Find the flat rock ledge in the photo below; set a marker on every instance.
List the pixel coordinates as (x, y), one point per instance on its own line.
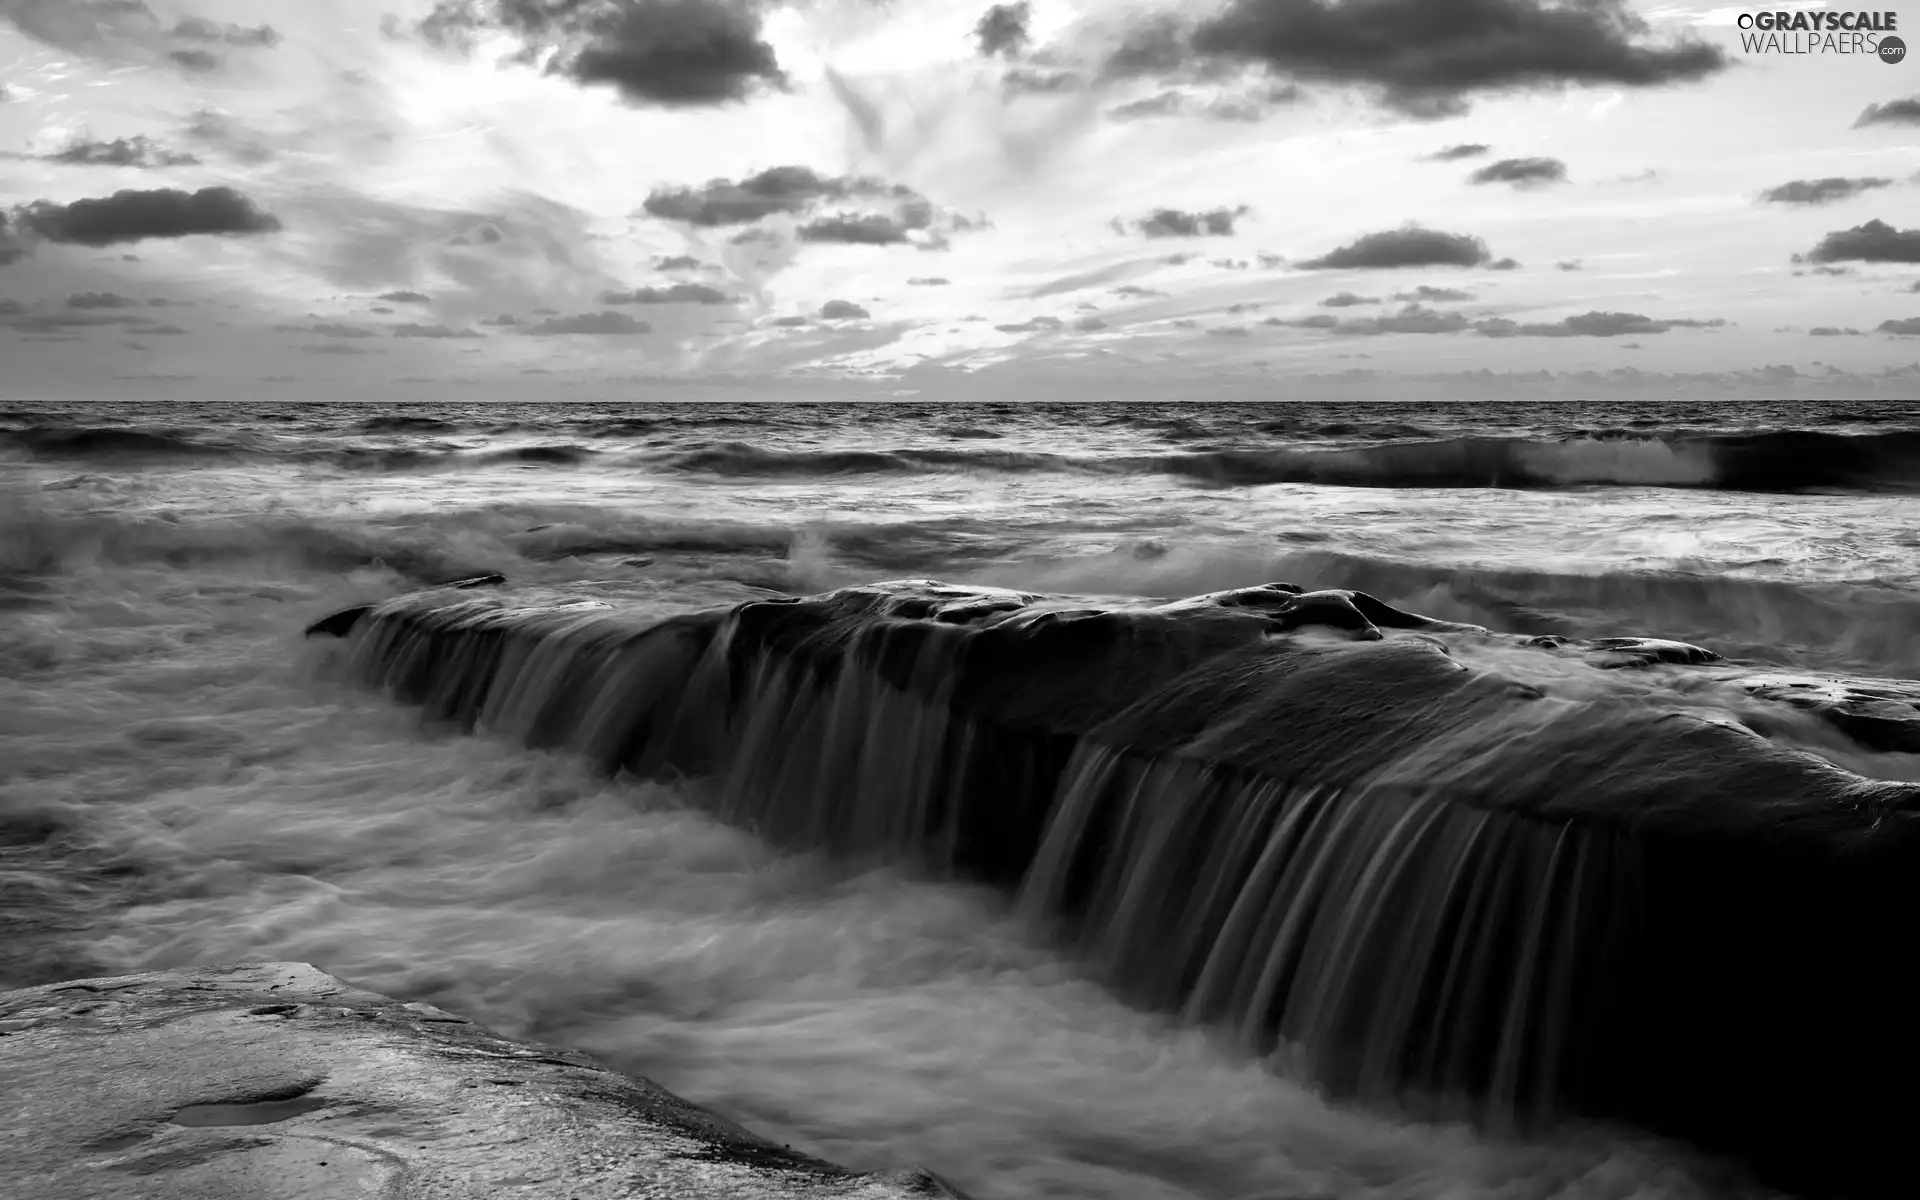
(269, 1081)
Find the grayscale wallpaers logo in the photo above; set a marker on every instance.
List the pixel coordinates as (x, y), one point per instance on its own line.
(1823, 33)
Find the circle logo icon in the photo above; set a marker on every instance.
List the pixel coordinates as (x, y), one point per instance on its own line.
(1892, 50)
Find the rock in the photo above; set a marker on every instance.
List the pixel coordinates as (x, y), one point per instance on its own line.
(340, 624)
(1428, 878)
(274, 1081)
(1881, 715)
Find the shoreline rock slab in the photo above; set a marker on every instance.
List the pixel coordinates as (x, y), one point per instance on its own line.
(276, 1081)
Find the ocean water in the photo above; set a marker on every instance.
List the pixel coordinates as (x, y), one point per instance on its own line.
(184, 779)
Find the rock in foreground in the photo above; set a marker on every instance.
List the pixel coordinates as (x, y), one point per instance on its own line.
(273, 1081)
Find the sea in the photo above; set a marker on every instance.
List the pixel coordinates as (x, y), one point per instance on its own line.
(184, 778)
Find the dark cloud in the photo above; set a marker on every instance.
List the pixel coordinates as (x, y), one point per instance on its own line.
(1589, 324)
(199, 29)
(1504, 264)
(1522, 172)
(791, 190)
(327, 329)
(504, 320)
(1136, 291)
(1905, 327)
(1905, 111)
(1568, 264)
(486, 234)
(678, 262)
(1002, 29)
(80, 25)
(1255, 106)
(791, 322)
(1428, 58)
(1173, 222)
(405, 297)
(1457, 152)
(1833, 331)
(137, 151)
(131, 216)
(412, 330)
(1821, 191)
(677, 293)
(1089, 324)
(1033, 325)
(197, 61)
(101, 300)
(1316, 321)
(842, 310)
(1875, 241)
(1434, 295)
(1232, 331)
(334, 348)
(1347, 300)
(1414, 318)
(600, 324)
(673, 53)
(1040, 81)
(928, 281)
(1411, 246)
(161, 330)
(862, 229)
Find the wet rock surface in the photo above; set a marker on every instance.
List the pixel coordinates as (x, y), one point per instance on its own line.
(275, 1080)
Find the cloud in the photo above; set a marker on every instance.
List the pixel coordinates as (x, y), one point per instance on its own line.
(671, 53)
(1431, 294)
(1459, 151)
(1875, 241)
(1568, 264)
(1135, 290)
(677, 293)
(1414, 318)
(1316, 321)
(791, 190)
(86, 26)
(862, 229)
(678, 262)
(842, 310)
(1410, 246)
(1589, 324)
(1905, 111)
(333, 348)
(1033, 325)
(1833, 331)
(131, 216)
(327, 329)
(100, 300)
(1522, 172)
(405, 297)
(1037, 81)
(137, 151)
(928, 281)
(1820, 191)
(1173, 222)
(199, 29)
(197, 61)
(412, 330)
(1347, 300)
(1002, 29)
(1427, 58)
(1238, 107)
(1905, 327)
(504, 320)
(602, 324)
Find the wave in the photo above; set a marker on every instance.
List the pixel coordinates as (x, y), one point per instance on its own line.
(1779, 461)
(1398, 456)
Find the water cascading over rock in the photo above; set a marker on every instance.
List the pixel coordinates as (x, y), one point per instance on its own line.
(1296, 816)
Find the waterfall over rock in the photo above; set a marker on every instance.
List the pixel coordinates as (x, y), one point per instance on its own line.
(1308, 819)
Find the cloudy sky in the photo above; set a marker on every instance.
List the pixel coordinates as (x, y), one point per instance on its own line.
(576, 198)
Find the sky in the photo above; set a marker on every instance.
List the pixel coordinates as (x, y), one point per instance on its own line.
(1236, 199)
